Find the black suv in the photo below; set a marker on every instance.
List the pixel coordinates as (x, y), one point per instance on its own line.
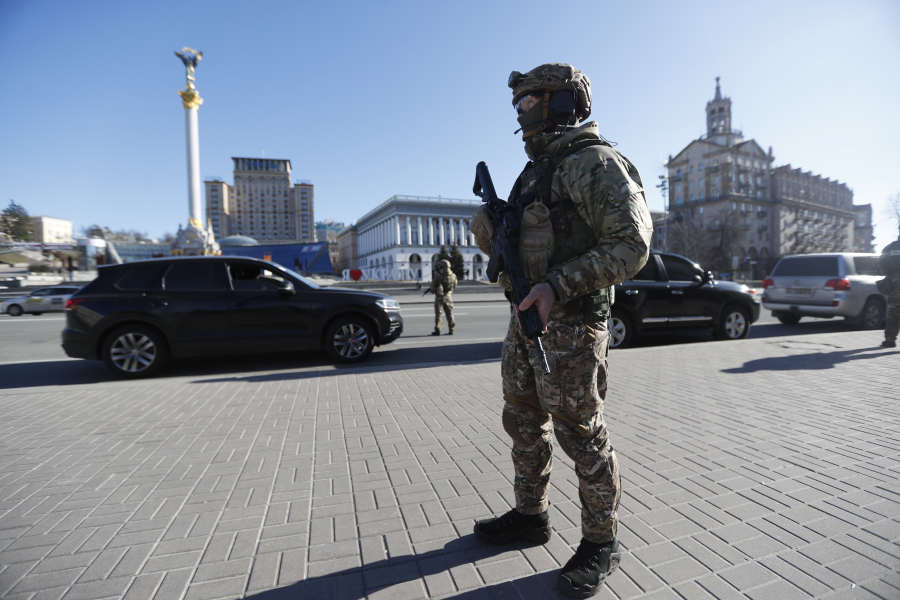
(671, 293)
(137, 316)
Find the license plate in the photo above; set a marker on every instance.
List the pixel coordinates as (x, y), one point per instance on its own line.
(798, 291)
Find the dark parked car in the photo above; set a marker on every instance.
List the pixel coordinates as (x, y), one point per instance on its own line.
(671, 293)
(137, 316)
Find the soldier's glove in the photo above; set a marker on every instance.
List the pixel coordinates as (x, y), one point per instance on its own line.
(505, 282)
(482, 229)
(536, 241)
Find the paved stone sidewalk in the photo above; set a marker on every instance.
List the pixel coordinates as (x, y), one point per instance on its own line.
(763, 469)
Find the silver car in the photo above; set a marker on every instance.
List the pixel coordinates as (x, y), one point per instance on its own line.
(826, 285)
(49, 299)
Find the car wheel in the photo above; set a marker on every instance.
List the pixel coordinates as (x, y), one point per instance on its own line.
(349, 340)
(872, 314)
(14, 310)
(135, 351)
(619, 326)
(734, 324)
(789, 319)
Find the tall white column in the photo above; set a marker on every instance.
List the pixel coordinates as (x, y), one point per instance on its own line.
(430, 231)
(419, 237)
(462, 233)
(441, 226)
(471, 235)
(193, 165)
(396, 220)
(408, 232)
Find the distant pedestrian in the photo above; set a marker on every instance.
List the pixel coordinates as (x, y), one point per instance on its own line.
(890, 266)
(442, 286)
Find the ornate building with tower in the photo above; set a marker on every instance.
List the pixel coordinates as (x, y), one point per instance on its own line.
(262, 204)
(774, 211)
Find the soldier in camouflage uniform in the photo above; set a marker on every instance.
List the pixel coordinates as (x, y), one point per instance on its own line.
(890, 266)
(586, 227)
(442, 287)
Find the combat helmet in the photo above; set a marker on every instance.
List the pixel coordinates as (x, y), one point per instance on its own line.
(557, 109)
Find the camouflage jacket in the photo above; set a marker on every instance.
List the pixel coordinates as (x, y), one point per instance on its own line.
(606, 190)
(444, 284)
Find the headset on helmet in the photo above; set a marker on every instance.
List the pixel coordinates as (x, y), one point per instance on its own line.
(566, 91)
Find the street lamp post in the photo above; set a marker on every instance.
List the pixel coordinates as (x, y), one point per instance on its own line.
(664, 190)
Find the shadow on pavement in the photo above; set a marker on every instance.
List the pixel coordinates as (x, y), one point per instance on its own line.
(762, 331)
(292, 365)
(359, 582)
(813, 361)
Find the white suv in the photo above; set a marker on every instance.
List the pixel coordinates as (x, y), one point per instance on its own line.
(826, 285)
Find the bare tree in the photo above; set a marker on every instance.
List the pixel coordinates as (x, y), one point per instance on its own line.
(688, 238)
(723, 239)
(893, 208)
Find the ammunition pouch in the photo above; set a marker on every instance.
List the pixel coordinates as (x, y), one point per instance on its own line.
(592, 308)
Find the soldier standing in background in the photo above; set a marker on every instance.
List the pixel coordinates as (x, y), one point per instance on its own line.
(442, 286)
(585, 227)
(889, 261)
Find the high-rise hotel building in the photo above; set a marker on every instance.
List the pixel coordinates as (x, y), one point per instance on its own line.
(262, 203)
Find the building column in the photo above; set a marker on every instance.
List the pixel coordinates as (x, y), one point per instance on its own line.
(408, 232)
(441, 233)
(396, 221)
(430, 231)
(462, 233)
(420, 239)
(471, 235)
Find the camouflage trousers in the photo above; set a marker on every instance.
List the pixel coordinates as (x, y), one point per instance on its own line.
(892, 324)
(569, 401)
(446, 303)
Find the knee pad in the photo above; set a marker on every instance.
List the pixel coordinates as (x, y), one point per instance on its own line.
(511, 425)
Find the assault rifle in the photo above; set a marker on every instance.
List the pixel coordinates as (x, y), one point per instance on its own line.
(506, 220)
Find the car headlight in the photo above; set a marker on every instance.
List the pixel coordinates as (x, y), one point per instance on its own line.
(388, 304)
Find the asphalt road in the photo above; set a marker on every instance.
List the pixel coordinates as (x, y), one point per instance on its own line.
(30, 352)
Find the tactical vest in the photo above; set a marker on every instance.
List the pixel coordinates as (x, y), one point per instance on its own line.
(572, 235)
(889, 261)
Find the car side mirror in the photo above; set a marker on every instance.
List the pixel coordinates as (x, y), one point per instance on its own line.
(707, 277)
(285, 289)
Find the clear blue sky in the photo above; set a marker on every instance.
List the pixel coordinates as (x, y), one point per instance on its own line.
(371, 99)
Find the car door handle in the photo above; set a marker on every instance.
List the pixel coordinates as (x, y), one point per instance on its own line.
(158, 303)
(679, 292)
(630, 292)
(239, 304)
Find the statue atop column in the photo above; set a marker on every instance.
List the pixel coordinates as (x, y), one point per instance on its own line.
(194, 239)
(190, 96)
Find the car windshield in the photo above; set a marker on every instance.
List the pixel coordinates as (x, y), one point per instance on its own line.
(303, 279)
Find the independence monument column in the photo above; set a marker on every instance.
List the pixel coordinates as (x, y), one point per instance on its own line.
(193, 240)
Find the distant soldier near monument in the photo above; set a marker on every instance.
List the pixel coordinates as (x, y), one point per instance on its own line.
(889, 261)
(442, 286)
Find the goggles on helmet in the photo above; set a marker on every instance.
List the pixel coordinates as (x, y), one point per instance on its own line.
(522, 99)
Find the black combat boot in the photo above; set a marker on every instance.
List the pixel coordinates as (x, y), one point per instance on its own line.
(436, 332)
(889, 344)
(514, 526)
(585, 572)
(451, 332)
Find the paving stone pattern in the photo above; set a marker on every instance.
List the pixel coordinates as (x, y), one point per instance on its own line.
(763, 469)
